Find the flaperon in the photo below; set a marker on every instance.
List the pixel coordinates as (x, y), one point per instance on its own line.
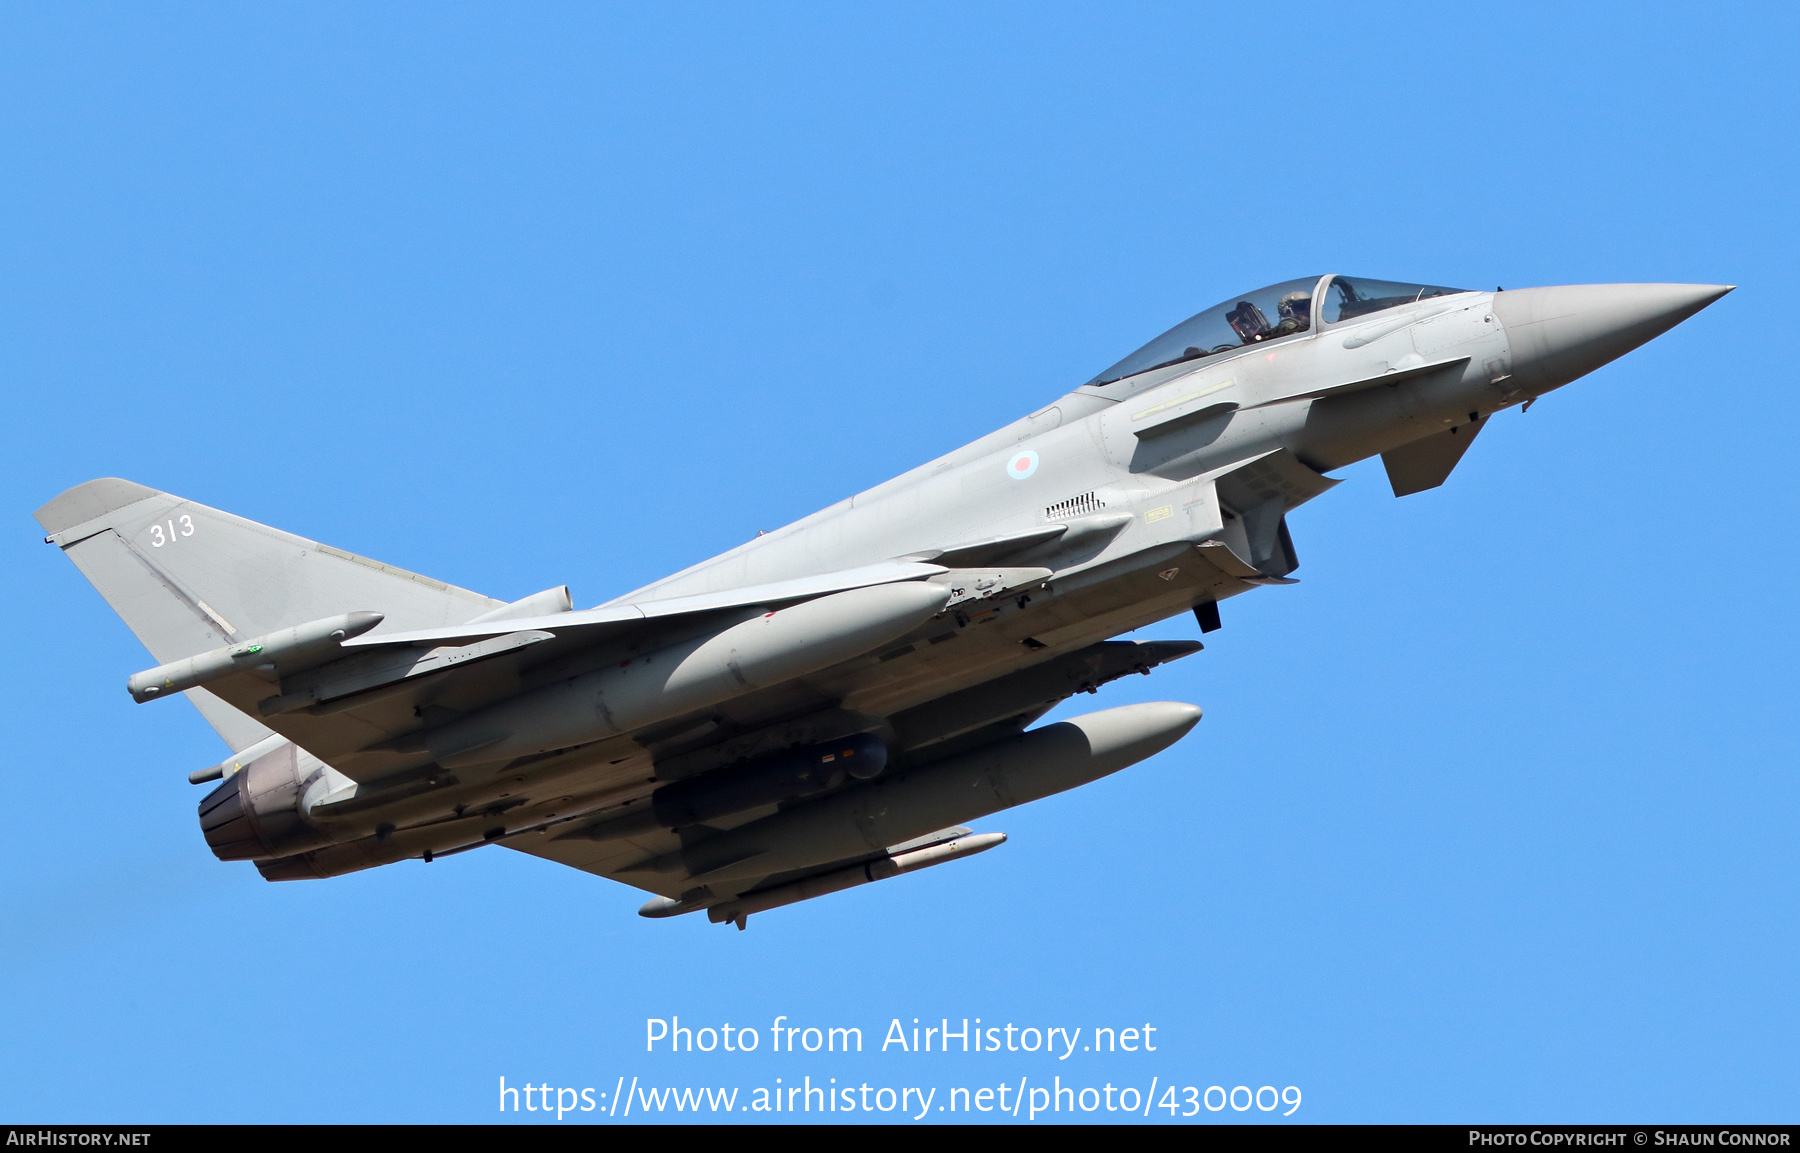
(821, 706)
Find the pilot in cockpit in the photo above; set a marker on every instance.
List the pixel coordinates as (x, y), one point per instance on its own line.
(1296, 313)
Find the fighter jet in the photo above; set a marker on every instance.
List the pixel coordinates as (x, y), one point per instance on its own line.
(825, 705)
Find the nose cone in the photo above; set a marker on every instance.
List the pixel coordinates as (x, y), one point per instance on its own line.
(1558, 334)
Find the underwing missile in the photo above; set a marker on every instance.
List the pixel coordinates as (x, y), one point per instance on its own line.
(286, 649)
(879, 869)
(909, 858)
(693, 674)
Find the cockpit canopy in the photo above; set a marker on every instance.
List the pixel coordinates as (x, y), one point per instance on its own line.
(1350, 297)
(1267, 314)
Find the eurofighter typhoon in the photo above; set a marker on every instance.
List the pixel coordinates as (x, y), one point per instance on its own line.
(825, 705)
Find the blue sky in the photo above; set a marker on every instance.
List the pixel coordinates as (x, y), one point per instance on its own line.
(1491, 818)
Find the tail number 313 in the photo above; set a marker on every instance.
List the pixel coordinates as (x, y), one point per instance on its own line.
(160, 536)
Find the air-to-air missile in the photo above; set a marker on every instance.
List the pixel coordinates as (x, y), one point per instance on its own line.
(910, 857)
(309, 644)
(824, 705)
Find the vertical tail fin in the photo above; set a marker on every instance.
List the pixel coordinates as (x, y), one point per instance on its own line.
(186, 578)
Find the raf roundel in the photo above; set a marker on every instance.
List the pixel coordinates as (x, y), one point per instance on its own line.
(1021, 464)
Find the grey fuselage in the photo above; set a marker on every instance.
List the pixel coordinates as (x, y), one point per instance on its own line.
(1085, 443)
(1117, 506)
(935, 616)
